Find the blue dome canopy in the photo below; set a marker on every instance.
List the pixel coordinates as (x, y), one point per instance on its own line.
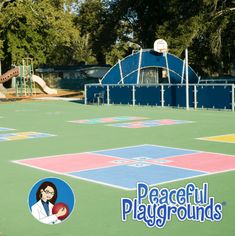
(130, 69)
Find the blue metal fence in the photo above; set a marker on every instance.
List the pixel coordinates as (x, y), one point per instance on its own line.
(96, 93)
(174, 96)
(120, 94)
(213, 96)
(147, 95)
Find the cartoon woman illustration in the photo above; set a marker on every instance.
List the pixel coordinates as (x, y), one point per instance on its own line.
(46, 196)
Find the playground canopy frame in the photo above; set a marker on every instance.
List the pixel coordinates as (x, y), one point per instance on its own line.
(128, 70)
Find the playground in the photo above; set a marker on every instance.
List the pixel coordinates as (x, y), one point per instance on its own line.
(149, 120)
(25, 81)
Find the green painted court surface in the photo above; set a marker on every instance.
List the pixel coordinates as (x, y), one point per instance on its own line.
(97, 209)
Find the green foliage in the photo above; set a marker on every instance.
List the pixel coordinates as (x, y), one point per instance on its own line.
(206, 27)
(94, 19)
(60, 32)
(117, 51)
(42, 30)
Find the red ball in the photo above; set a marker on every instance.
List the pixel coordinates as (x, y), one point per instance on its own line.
(59, 206)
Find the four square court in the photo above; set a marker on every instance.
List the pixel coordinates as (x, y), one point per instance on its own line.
(124, 167)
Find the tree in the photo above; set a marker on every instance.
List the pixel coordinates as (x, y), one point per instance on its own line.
(69, 31)
(214, 48)
(90, 20)
(43, 30)
(205, 27)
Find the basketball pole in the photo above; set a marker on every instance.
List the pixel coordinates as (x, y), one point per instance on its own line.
(186, 79)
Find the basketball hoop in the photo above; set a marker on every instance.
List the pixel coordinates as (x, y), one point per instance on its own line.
(160, 45)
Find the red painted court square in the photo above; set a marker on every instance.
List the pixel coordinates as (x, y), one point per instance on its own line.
(74, 162)
(166, 122)
(208, 162)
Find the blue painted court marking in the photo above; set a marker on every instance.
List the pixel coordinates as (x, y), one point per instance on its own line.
(126, 177)
(5, 129)
(148, 151)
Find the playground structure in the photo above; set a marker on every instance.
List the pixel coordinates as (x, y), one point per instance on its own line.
(157, 78)
(25, 80)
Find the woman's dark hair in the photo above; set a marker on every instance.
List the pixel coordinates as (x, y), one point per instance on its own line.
(43, 186)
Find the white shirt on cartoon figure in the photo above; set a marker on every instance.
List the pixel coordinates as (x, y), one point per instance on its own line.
(39, 212)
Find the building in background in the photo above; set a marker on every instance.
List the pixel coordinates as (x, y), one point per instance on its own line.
(71, 77)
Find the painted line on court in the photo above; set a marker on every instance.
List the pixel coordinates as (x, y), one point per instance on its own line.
(224, 138)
